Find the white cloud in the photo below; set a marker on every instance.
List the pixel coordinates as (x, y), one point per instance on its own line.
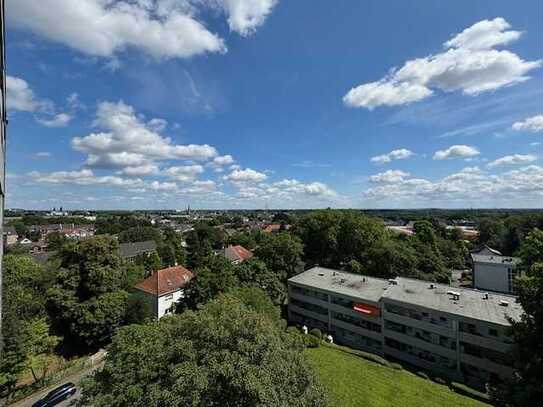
(532, 124)
(515, 159)
(140, 171)
(470, 64)
(163, 186)
(106, 27)
(184, 173)
(456, 151)
(157, 125)
(223, 160)
(247, 175)
(390, 176)
(58, 120)
(85, 177)
(245, 16)
(206, 185)
(128, 141)
(399, 154)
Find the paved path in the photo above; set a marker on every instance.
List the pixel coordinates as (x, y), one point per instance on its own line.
(75, 379)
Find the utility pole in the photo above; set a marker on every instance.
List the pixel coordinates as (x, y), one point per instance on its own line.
(3, 125)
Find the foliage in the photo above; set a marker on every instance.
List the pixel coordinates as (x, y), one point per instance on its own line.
(255, 272)
(257, 300)
(224, 354)
(282, 253)
(139, 234)
(55, 240)
(316, 333)
(112, 225)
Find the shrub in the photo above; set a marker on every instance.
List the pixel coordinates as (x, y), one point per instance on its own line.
(396, 366)
(316, 332)
(312, 341)
(469, 392)
(422, 375)
(292, 330)
(439, 380)
(283, 324)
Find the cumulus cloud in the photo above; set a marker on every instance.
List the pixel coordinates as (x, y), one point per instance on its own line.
(390, 176)
(532, 124)
(85, 177)
(456, 151)
(246, 175)
(470, 64)
(103, 28)
(140, 170)
(163, 29)
(21, 97)
(126, 141)
(515, 159)
(184, 173)
(468, 184)
(399, 154)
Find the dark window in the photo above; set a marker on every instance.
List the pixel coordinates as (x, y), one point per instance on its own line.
(493, 332)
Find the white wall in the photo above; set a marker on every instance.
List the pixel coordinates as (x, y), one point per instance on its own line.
(491, 276)
(165, 302)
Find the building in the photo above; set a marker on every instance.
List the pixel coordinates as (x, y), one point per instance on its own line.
(164, 289)
(494, 272)
(10, 235)
(129, 251)
(456, 333)
(237, 254)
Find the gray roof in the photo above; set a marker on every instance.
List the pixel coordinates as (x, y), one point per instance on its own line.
(129, 250)
(495, 259)
(352, 285)
(471, 303)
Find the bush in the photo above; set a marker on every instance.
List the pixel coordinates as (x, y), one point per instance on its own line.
(396, 366)
(469, 392)
(316, 332)
(312, 341)
(439, 380)
(283, 324)
(422, 375)
(292, 330)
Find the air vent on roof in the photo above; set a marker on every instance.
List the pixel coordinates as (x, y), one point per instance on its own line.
(343, 280)
(431, 286)
(392, 281)
(504, 303)
(485, 296)
(321, 274)
(363, 279)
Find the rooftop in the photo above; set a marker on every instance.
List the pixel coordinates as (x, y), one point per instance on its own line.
(127, 250)
(166, 281)
(495, 259)
(237, 253)
(469, 303)
(352, 285)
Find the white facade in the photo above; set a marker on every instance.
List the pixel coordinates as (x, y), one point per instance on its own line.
(166, 303)
(494, 276)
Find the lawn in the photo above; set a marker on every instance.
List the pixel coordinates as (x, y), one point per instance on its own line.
(355, 382)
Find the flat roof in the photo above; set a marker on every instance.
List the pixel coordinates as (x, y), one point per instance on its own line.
(495, 259)
(471, 302)
(342, 282)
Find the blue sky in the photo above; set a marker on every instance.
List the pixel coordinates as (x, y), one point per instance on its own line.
(300, 104)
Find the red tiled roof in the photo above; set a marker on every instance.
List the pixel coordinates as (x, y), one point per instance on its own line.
(237, 253)
(272, 228)
(165, 281)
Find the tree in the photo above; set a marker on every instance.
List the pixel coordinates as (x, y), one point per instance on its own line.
(525, 388)
(38, 344)
(215, 277)
(319, 232)
(282, 253)
(253, 272)
(139, 234)
(225, 354)
(55, 240)
(150, 262)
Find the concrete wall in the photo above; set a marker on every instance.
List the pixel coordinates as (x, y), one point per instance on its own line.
(491, 276)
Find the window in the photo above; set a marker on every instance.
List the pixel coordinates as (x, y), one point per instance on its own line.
(168, 297)
(493, 332)
(443, 319)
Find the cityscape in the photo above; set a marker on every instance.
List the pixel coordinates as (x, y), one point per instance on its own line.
(269, 203)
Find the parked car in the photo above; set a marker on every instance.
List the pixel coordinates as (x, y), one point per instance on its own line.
(57, 395)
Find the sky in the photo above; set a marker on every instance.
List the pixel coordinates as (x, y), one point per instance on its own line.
(161, 104)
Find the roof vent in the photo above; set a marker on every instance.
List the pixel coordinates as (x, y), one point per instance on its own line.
(485, 296)
(504, 303)
(431, 286)
(392, 281)
(343, 280)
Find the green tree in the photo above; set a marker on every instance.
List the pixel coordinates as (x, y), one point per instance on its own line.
(38, 345)
(139, 234)
(319, 232)
(255, 272)
(225, 354)
(55, 240)
(282, 254)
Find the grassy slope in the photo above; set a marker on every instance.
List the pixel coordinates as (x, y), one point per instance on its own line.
(353, 382)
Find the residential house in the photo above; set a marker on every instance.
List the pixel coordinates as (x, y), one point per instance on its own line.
(10, 235)
(164, 289)
(129, 251)
(237, 254)
(494, 272)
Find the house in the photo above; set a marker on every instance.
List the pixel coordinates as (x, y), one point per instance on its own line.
(457, 333)
(10, 235)
(237, 254)
(129, 251)
(494, 272)
(164, 289)
(275, 228)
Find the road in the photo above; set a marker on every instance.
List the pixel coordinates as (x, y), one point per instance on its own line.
(75, 378)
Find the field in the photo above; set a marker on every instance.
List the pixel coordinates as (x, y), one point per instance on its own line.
(355, 382)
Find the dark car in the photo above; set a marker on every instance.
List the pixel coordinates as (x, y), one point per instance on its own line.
(57, 395)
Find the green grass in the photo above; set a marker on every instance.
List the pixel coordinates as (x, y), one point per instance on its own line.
(355, 382)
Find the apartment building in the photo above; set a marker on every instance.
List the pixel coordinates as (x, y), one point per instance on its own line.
(453, 332)
(492, 271)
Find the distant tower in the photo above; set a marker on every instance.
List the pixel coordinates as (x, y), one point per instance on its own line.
(188, 209)
(3, 124)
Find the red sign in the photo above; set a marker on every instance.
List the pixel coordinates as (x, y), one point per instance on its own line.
(366, 309)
